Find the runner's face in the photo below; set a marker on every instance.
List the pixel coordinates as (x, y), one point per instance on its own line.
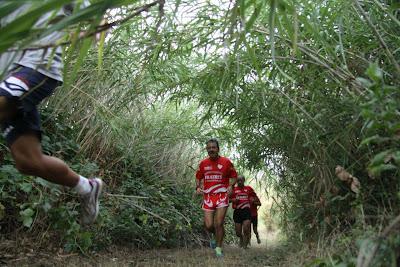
(212, 150)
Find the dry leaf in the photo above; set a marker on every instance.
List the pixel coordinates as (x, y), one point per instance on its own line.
(342, 174)
(345, 176)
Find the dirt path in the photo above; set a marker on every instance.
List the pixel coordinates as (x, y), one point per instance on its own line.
(255, 256)
(268, 253)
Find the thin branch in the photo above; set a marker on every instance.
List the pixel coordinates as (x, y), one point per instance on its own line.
(127, 196)
(139, 10)
(145, 210)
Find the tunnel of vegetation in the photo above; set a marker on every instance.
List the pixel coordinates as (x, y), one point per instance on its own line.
(305, 91)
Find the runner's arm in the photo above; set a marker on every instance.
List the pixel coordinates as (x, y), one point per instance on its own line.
(199, 190)
(232, 197)
(199, 177)
(232, 182)
(256, 200)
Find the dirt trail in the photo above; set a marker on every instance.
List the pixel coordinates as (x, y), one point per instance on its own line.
(255, 256)
(268, 253)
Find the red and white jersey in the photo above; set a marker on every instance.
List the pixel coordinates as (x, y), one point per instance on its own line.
(215, 174)
(243, 196)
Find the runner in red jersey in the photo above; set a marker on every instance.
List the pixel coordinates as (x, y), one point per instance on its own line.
(215, 173)
(255, 203)
(241, 199)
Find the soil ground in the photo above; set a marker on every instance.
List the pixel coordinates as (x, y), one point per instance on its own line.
(269, 253)
(260, 256)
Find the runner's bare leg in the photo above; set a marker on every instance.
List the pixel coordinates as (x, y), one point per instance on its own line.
(30, 160)
(239, 233)
(246, 233)
(209, 221)
(220, 214)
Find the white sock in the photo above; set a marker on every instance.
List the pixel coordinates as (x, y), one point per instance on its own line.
(83, 187)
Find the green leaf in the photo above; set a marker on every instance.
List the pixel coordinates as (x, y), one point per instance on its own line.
(27, 212)
(376, 139)
(27, 222)
(85, 240)
(27, 217)
(374, 72)
(364, 82)
(380, 157)
(143, 218)
(254, 16)
(82, 53)
(8, 8)
(22, 26)
(377, 170)
(26, 187)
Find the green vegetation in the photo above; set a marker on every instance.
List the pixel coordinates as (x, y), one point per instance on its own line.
(148, 202)
(296, 88)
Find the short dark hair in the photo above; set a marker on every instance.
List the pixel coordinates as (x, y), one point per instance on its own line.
(213, 140)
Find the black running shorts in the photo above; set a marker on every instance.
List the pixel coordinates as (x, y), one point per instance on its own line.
(241, 215)
(25, 88)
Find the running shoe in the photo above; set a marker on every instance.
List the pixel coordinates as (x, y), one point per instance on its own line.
(218, 252)
(90, 201)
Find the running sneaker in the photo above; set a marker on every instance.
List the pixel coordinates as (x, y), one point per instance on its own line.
(258, 240)
(90, 201)
(218, 252)
(213, 243)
